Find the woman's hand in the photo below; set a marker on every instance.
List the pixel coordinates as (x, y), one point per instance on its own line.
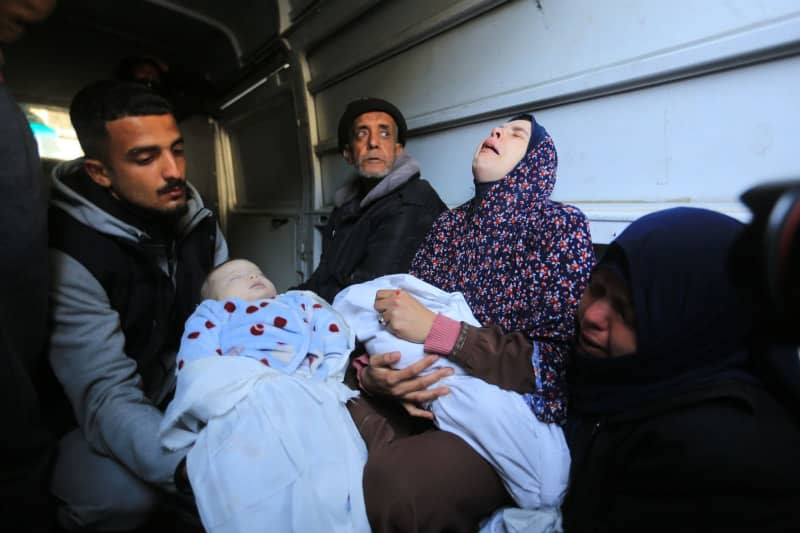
(405, 384)
(403, 315)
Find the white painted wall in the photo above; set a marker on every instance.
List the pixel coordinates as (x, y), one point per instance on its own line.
(700, 141)
(649, 103)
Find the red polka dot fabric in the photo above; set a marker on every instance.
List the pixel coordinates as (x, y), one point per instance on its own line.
(295, 331)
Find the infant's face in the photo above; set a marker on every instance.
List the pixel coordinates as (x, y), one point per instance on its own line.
(240, 279)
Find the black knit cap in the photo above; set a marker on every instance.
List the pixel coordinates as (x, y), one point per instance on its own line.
(366, 104)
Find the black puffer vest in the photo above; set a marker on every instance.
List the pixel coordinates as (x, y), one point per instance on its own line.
(151, 309)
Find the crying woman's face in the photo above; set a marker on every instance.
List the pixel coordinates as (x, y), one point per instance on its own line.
(500, 152)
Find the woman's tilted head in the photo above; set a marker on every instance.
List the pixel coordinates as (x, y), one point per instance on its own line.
(500, 152)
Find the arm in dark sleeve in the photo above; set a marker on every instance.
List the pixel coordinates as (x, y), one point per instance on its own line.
(502, 359)
(393, 241)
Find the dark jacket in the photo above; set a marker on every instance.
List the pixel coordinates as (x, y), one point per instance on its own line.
(725, 457)
(371, 235)
(27, 446)
(152, 305)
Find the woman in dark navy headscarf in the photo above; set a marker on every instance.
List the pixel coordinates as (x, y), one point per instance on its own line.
(670, 427)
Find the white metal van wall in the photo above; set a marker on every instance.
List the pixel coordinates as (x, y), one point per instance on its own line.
(261, 182)
(650, 104)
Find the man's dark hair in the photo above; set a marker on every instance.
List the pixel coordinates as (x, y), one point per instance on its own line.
(108, 100)
(127, 66)
(365, 104)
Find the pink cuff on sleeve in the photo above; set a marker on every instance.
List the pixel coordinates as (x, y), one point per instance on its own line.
(443, 335)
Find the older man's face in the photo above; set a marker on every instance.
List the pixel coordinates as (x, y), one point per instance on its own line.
(373, 146)
(500, 152)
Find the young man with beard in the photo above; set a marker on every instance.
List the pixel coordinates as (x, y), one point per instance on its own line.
(384, 213)
(130, 246)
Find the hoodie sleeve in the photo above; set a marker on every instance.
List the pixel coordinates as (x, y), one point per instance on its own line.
(101, 381)
(221, 248)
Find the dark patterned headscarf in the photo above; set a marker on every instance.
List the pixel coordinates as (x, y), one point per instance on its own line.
(520, 259)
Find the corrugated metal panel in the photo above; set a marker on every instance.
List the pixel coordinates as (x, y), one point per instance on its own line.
(650, 104)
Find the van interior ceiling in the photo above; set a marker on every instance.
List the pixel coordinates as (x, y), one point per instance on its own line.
(650, 104)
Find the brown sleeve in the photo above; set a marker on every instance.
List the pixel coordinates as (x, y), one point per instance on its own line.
(502, 359)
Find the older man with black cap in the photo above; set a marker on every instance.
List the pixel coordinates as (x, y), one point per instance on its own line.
(382, 215)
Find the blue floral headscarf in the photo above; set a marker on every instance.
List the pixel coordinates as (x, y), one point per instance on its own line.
(520, 259)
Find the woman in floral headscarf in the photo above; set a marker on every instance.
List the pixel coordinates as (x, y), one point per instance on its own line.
(521, 260)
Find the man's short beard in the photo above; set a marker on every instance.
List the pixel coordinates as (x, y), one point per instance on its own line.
(165, 214)
(175, 212)
(373, 175)
(156, 213)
